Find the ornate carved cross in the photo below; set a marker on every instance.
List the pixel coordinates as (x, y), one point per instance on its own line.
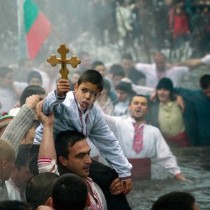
(73, 61)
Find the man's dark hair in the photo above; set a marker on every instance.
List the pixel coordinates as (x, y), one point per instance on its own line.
(93, 77)
(69, 192)
(205, 81)
(96, 63)
(138, 95)
(66, 139)
(17, 205)
(29, 91)
(39, 188)
(174, 201)
(117, 70)
(33, 158)
(23, 155)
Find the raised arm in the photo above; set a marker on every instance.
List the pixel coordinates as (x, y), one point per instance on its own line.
(21, 123)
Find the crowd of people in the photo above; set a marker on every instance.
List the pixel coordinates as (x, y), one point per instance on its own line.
(79, 143)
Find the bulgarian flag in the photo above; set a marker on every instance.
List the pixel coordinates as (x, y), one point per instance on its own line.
(37, 28)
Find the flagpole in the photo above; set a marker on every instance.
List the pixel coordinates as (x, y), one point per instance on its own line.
(21, 30)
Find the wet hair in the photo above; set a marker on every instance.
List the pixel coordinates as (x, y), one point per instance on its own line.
(39, 188)
(69, 191)
(96, 63)
(15, 204)
(66, 139)
(93, 77)
(4, 70)
(205, 81)
(23, 155)
(117, 70)
(29, 91)
(127, 56)
(174, 201)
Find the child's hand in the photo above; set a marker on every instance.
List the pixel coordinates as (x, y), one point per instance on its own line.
(63, 86)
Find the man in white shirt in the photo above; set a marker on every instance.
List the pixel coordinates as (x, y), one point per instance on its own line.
(141, 141)
(160, 68)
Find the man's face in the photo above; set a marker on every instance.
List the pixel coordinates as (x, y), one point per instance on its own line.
(160, 62)
(35, 81)
(6, 168)
(122, 96)
(86, 94)
(127, 64)
(207, 92)
(78, 161)
(163, 95)
(7, 80)
(101, 69)
(116, 80)
(138, 107)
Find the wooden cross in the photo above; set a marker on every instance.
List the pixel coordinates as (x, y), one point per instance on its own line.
(73, 61)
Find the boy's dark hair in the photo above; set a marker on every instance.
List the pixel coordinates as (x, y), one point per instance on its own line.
(39, 188)
(29, 91)
(96, 63)
(117, 70)
(69, 192)
(66, 139)
(205, 81)
(93, 77)
(4, 70)
(174, 201)
(23, 155)
(17, 205)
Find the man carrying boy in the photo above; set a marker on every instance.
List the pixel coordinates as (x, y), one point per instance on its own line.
(74, 110)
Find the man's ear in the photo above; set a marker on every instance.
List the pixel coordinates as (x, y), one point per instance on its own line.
(4, 164)
(49, 202)
(62, 160)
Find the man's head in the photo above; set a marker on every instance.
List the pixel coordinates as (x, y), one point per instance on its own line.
(205, 84)
(124, 91)
(21, 172)
(6, 77)
(34, 78)
(88, 88)
(99, 66)
(39, 189)
(69, 192)
(175, 201)
(116, 73)
(160, 61)
(127, 61)
(73, 152)
(29, 91)
(7, 159)
(164, 90)
(138, 107)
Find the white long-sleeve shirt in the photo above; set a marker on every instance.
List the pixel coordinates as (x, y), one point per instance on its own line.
(68, 116)
(175, 73)
(154, 145)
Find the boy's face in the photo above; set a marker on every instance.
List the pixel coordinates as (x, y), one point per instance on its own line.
(86, 94)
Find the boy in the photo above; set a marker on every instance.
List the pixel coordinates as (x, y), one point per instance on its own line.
(74, 110)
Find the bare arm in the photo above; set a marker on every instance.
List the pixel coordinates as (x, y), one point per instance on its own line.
(47, 148)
